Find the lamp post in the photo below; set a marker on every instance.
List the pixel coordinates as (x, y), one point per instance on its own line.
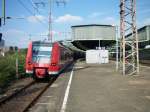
(117, 51)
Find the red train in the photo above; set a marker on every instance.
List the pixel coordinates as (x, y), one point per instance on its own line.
(45, 59)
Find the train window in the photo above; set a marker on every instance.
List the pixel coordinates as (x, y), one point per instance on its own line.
(41, 54)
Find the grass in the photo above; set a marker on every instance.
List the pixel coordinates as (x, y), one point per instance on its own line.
(8, 67)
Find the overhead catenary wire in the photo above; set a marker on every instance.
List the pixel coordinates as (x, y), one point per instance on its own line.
(32, 13)
(35, 7)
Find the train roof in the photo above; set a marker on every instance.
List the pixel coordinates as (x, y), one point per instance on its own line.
(71, 46)
(41, 43)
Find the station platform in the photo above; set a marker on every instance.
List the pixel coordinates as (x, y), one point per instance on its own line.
(97, 88)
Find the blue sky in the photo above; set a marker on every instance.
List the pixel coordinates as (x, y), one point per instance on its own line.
(19, 32)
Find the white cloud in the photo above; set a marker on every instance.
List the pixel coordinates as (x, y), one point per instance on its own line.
(45, 34)
(147, 21)
(15, 37)
(36, 18)
(68, 18)
(54, 32)
(144, 11)
(144, 22)
(110, 20)
(13, 31)
(56, 35)
(95, 15)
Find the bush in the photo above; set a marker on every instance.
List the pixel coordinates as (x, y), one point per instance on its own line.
(8, 67)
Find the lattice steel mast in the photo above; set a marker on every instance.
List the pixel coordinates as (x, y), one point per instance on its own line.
(50, 33)
(50, 22)
(128, 46)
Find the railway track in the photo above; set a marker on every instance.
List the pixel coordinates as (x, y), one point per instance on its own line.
(17, 91)
(23, 99)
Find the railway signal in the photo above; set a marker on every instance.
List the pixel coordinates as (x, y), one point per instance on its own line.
(0, 22)
(1, 36)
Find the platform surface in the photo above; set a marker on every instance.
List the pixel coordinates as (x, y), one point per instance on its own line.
(99, 88)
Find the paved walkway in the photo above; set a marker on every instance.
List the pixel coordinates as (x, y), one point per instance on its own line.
(98, 88)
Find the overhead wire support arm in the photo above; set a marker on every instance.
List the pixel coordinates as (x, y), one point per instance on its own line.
(50, 32)
(58, 2)
(34, 6)
(50, 36)
(44, 25)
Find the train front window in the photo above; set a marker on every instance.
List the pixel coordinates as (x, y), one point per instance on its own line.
(41, 54)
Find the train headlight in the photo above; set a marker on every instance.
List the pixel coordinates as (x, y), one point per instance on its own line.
(29, 62)
(53, 64)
